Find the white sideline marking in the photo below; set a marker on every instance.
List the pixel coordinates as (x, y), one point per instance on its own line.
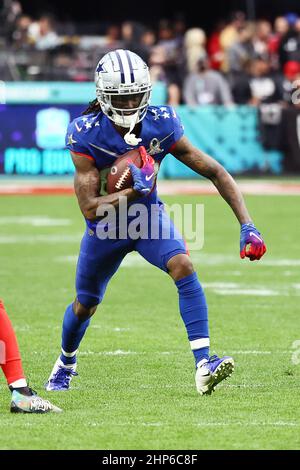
(118, 352)
(35, 221)
(131, 423)
(211, 259)
(252, 352)
(204, 424)
(153, 424)
(104, 327)
(281, 262)
(221, 285)
(255, 292)
(250, 423)
(121, 329)
(22, 328)
(134, 260)
(34, 239)
(67, 259)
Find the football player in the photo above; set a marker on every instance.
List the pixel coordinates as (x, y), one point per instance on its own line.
(118, 120)
(23, 399)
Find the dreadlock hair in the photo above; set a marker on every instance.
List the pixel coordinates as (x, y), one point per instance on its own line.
(93, 107)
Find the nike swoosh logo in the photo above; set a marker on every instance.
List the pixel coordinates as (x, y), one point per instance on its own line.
(77, 127)
(148, 177)
(254, 235)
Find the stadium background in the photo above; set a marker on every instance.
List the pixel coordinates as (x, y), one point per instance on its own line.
(128, 395)
(243, 121)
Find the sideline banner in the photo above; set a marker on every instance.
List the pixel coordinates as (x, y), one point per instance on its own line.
(32, 140)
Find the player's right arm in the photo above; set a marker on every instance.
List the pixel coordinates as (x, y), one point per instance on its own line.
(87, 184)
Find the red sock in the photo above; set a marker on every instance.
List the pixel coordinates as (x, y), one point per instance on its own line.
(10, 358)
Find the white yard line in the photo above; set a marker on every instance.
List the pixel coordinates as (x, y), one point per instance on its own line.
(105, 328)
(255, 292)
(136, 260)
(255, 352)
(34, 221)
(34, 239)
(170, 424)
(118, 352)
(250, 423)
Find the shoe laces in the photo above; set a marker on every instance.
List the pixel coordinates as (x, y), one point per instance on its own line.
(63, 375)
(213, 358)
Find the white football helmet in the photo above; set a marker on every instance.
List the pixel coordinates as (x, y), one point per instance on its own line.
(123, 87)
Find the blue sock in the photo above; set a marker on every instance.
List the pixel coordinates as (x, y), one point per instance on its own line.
(72, 333)
(193, 310)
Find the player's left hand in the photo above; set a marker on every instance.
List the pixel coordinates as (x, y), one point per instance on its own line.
(252, 244)
(143, 178)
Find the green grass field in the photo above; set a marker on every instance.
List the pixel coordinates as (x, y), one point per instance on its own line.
(136, 384)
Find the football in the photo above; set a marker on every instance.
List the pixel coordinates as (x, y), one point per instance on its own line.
(119, 176)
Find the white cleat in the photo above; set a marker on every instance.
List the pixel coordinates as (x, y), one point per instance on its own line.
(60, 377)
(210, 373)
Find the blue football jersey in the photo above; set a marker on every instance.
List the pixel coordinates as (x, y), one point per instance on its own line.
(94, 136)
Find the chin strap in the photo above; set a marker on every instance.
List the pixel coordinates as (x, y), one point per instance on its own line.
(130, 138)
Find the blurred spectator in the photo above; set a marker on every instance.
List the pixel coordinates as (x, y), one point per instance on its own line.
(158, 72)
(240, 86)
(242, 50)
(20, 35)
(266, 87)
(10, 10)
(261, 39)
(291, 73)
(229, 35)
(171, 51)
(132, 36)
(42, 33)
(289, 48)
(179, 27)
(63, 64)
(290, 139)
(206, 86)
(257, 84)
(112, 36)
(214, 48)
(281, 27)
(147, 42)
(194, 47)
(257, 63)
(127, 34)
